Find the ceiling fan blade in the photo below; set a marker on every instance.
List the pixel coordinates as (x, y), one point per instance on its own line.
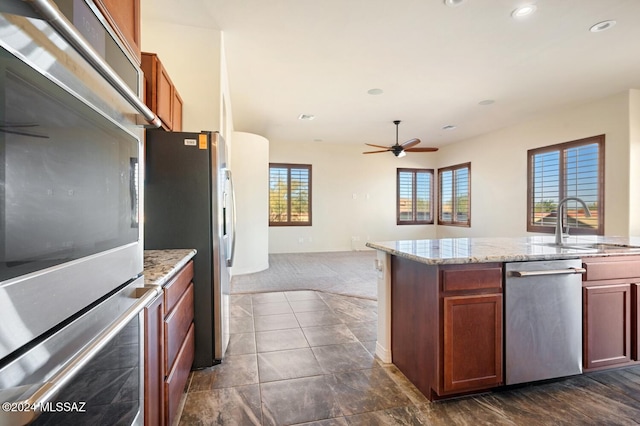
(421, 149)
(375, 152)
(410, 143)
(377, 146)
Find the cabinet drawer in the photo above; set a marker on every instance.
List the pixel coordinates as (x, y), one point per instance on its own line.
(471, 278)
(177, 378)
(173, 291)
(611, 268)
(177, 325)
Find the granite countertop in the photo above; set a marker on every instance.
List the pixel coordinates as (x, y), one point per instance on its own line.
(484, 250)
(161, 265)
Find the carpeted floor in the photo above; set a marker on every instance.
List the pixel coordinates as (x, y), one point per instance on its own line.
(350, 273)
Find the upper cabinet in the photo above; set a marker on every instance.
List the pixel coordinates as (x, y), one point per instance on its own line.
(124, 18)
(160, 93)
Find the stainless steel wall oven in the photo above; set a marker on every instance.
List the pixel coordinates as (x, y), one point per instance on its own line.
(71, 250)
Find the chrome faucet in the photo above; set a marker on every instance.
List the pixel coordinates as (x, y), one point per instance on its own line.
(559, 226)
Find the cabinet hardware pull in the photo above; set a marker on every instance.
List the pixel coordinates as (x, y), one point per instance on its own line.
(568, 271)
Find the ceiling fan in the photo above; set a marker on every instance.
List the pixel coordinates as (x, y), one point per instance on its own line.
(400, 150)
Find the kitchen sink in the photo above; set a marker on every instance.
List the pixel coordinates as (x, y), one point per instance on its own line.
(606, 247)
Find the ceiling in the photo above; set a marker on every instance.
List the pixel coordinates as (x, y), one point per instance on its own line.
(434, 63)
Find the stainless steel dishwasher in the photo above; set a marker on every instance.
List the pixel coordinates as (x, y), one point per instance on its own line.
(543, 320)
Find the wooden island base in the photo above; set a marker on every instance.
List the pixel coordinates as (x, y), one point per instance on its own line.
(446, 332)
(441, 313)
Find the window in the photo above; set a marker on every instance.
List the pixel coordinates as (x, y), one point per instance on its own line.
(454, 195)
(570, 169)
(289, 195)
(414, 196)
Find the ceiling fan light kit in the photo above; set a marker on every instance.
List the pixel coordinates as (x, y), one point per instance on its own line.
(400, 150)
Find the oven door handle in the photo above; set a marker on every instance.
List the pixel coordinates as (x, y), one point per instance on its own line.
(49, 389)
(56, 19)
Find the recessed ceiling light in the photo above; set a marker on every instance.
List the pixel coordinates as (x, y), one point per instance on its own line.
(453, 3)
(602, 26)
(375, 91)
(448, 127)
(486, 102)
(306, 117)
(523, 11)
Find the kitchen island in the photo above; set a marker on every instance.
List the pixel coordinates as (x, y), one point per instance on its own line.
(441, 314)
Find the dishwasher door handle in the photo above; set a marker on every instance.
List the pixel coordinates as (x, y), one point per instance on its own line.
(568, 271)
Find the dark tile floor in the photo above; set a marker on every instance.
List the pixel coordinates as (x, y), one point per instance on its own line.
(306, 357)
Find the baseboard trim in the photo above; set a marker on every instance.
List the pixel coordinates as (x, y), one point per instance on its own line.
(383, 354)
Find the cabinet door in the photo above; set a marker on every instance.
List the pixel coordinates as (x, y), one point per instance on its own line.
(164, 97)
(124, 17)
(607, 325)
(176, 112)
(154, 363)
(472, 350)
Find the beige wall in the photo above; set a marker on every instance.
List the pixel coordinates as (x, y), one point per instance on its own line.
(251, 181)
(498, 179)
(192, 57)
(499, 166)
(634, 162)
(353, 196)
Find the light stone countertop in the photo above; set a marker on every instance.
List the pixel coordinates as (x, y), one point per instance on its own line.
(484, 250)
(161, 265)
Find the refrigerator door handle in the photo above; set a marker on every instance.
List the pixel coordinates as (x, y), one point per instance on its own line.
(232, 250)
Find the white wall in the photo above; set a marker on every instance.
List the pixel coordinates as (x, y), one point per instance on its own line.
(634, 162)
(226, 113)
(499, 166)
(498, 180)
(192, 58)
(353, 195)
(251, 181)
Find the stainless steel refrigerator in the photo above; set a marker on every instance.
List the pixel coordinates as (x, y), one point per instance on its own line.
(188, 203)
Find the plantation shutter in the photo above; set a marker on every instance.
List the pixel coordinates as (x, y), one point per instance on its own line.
(572, 169)
(446, 196)
(289, 194)
(454, 199)
(414, 196)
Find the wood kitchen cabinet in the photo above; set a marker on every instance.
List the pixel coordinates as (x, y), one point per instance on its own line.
(161, 95)
(169, 348)
(635, 326)
(154, 363)
(472, 322)
(176, 112)
(610, 311)
(448, 317)
(124, 18)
